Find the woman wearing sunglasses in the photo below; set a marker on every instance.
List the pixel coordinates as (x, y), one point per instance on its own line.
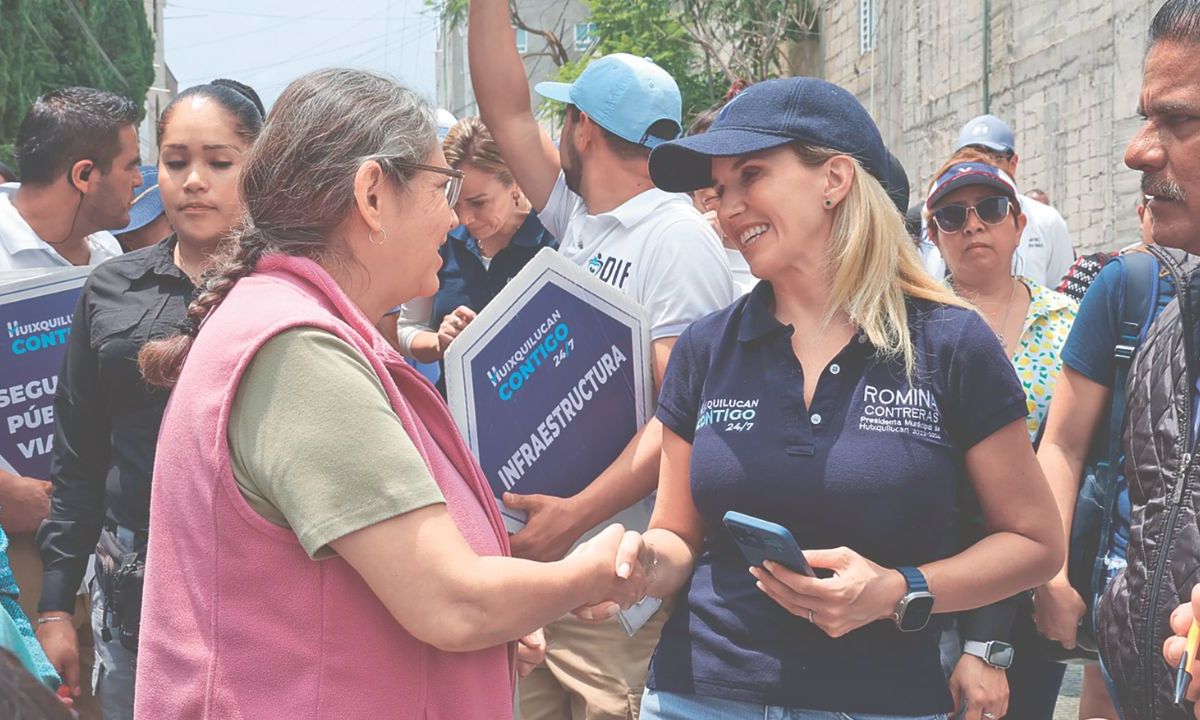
(975, 221)
(846, 398)
(324, 544)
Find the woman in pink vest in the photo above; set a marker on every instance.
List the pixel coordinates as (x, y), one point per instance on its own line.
(322, 544)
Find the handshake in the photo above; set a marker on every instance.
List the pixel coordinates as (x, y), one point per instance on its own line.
(622, 567)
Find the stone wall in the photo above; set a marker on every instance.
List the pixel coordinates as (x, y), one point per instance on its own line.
(1064, 73)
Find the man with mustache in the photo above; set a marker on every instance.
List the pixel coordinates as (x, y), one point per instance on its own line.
(1163, 539)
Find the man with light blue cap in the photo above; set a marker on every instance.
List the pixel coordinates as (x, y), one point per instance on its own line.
(593, 192)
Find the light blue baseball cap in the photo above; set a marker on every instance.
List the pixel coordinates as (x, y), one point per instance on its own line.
(624, 94)
(989, 131)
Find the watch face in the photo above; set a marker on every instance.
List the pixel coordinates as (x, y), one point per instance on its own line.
(1000, 654)
(918, 608)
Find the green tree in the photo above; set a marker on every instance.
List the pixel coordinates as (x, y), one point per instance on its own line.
(57, 43)
(649, 28)
(706, 45)
(15, 71)
(748, 39)
(121, 30)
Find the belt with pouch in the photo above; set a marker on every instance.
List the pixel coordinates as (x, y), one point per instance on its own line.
(120, 570)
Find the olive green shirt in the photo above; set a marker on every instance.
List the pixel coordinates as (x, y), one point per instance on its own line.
(315, 445)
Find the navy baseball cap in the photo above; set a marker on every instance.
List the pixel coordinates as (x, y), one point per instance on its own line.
(147, 204)
(988, 131)
(964, 174)
(767, 115)
(624, 94)
(896, 183)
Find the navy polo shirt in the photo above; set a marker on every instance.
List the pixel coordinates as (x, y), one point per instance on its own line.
(465, 280)
(874, 465)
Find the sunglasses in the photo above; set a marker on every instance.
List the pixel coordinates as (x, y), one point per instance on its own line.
(991, 210)
(453, 188)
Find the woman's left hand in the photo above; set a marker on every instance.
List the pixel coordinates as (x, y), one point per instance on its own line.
(860, 592)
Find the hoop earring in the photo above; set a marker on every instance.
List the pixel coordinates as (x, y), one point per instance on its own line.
(371, 236)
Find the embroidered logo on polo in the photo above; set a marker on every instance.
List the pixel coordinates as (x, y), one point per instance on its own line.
(911, 411)
(610, 269)
(727, 414)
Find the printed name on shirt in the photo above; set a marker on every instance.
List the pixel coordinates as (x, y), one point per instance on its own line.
(728, 414)
(610, 269)
(551, 340)
(563, 413)
(912, 411)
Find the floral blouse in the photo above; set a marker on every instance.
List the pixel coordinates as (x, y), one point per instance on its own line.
(1038, 357)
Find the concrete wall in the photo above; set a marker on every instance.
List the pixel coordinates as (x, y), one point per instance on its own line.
(1064, 73)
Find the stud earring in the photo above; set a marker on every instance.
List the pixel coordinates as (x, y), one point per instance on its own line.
(828, 203)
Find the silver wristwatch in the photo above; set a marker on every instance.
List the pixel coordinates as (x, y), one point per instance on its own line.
(994, 652)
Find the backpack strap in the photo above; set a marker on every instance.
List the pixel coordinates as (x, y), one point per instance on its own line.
(1138, 308)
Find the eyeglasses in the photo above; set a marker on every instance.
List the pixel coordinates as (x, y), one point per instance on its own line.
(453, 188)
(991, 210)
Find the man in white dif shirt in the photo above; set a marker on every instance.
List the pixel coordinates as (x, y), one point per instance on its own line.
(78, 156)
(595, 195)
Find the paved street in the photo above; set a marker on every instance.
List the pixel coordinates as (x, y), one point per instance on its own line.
(1068, 700)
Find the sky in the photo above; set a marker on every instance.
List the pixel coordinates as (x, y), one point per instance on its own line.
(268, 43)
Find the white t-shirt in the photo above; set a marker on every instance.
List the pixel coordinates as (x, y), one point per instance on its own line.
(655, 247)
(1044, 255)
(23, 254)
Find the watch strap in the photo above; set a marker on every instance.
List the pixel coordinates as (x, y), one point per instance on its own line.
(915, 579)
(976, 648)
(983, 651)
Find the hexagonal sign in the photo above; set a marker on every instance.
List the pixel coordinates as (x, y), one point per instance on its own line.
(36, 314)
(550, 381)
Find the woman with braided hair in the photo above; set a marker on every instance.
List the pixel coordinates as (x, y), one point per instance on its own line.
(106, 418)
(324, 544)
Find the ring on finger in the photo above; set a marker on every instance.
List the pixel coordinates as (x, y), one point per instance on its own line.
(988, 715)
(810, 616)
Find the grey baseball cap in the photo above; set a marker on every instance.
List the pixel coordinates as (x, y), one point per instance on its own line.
(989, 131)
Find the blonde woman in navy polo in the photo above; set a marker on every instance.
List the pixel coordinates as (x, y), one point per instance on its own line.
(846, 398)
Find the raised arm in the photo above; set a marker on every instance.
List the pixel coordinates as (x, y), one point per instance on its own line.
(502, 91)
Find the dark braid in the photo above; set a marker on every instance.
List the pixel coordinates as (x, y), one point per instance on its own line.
(161, 361)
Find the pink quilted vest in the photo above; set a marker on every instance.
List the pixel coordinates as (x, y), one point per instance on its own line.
(237, 621)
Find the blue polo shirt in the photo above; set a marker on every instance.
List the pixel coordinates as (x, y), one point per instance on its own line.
(873, 465)
(465, 280)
